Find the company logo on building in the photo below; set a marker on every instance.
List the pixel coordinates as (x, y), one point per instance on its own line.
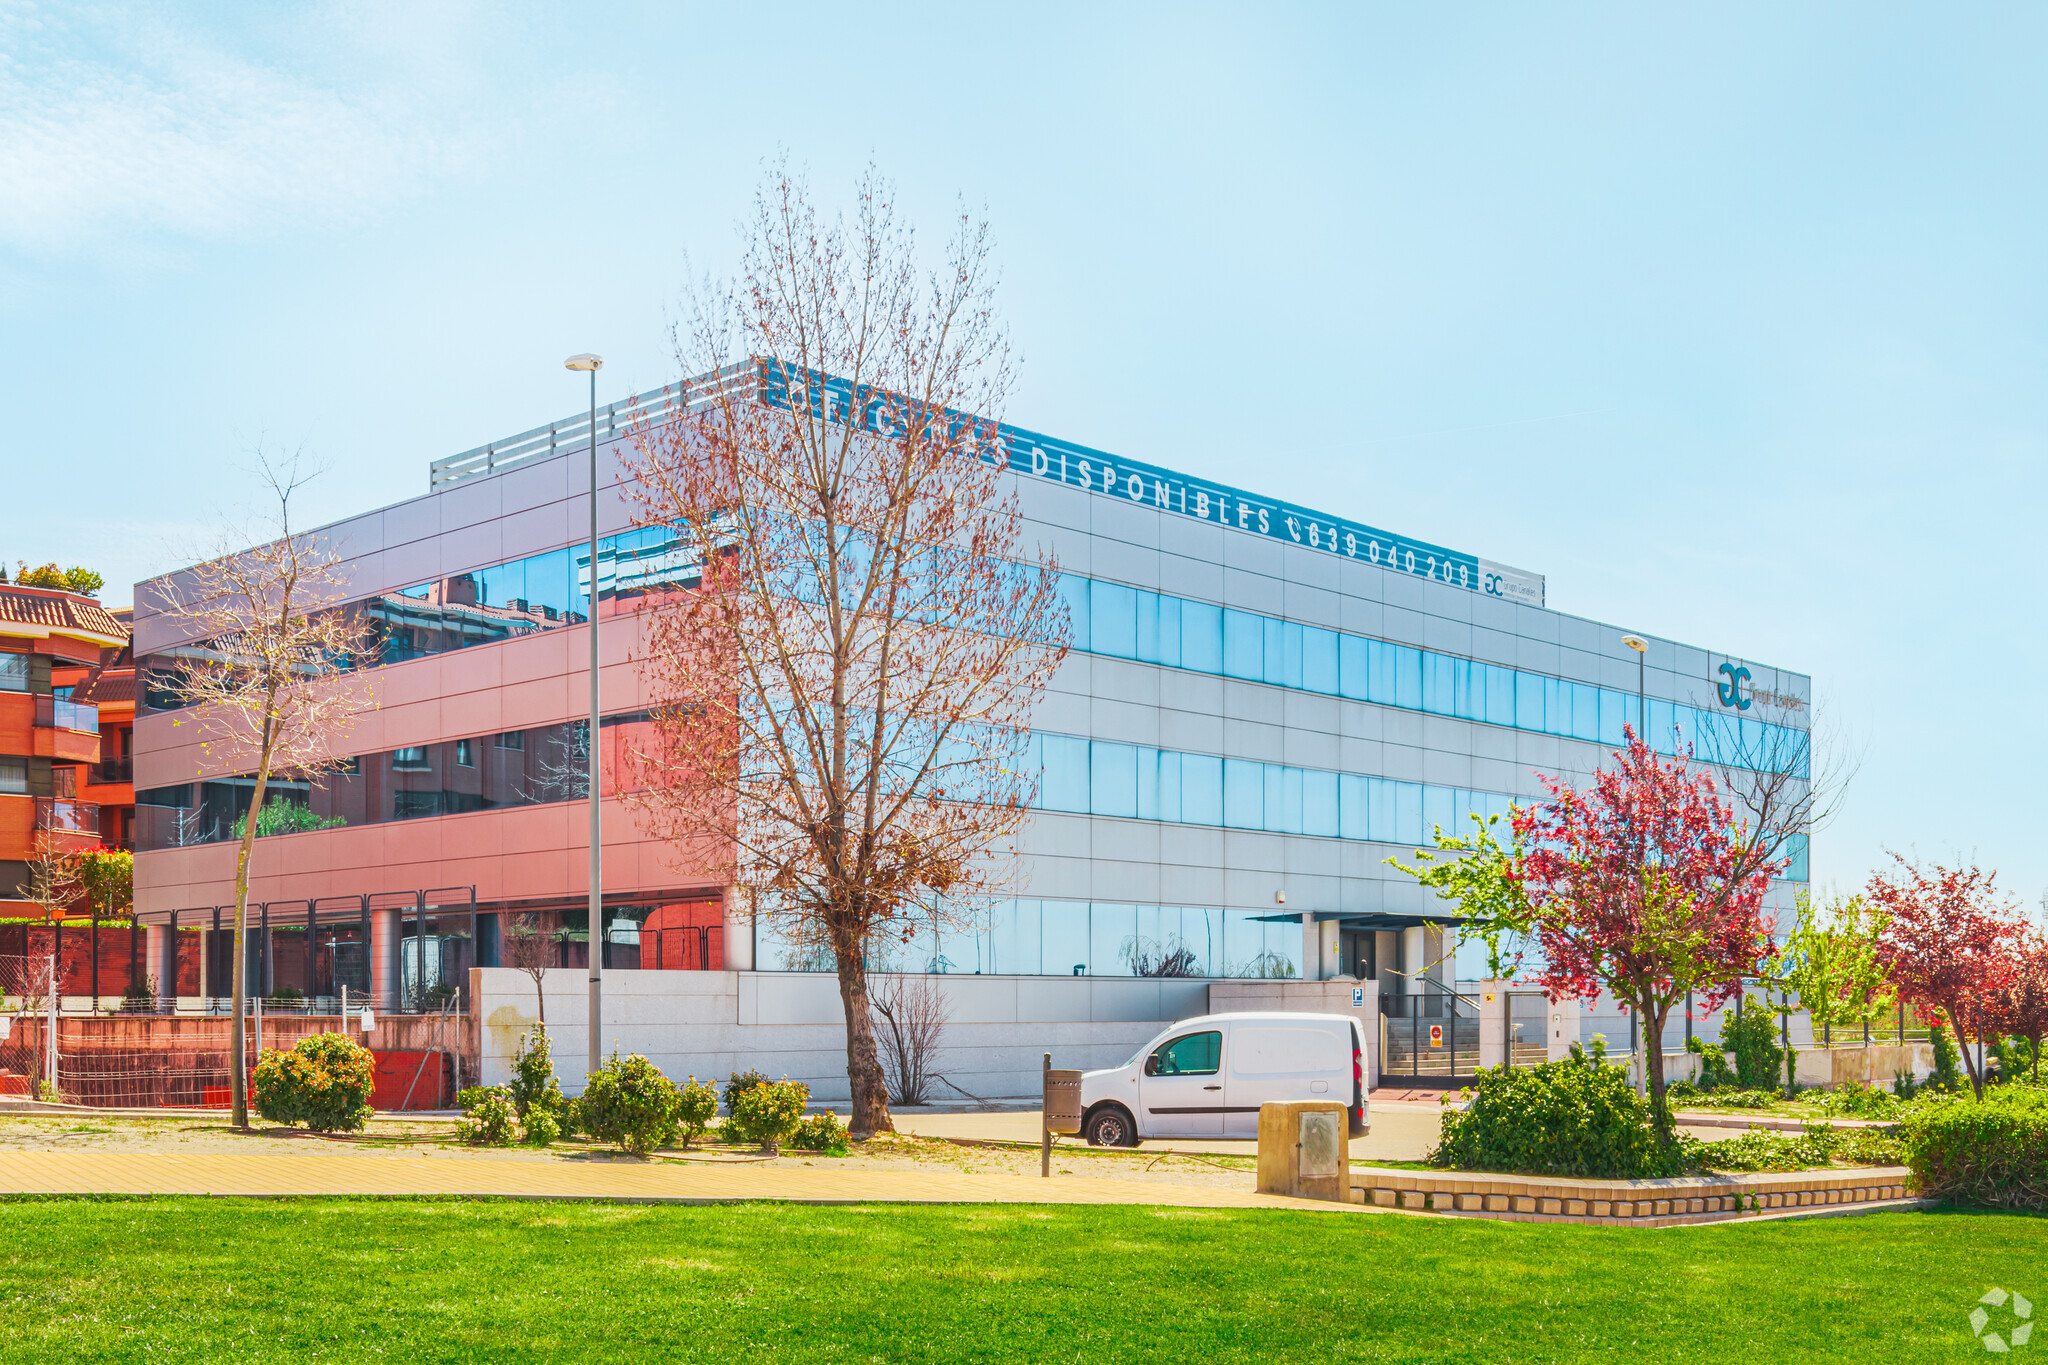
(1731, 691)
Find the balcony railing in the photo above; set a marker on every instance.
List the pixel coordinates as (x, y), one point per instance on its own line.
(55, 714)
(114, 770)
(61, 816)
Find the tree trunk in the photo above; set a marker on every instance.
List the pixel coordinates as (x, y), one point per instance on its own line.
(1653, 1072)
(239, 1083)
(863, 1065)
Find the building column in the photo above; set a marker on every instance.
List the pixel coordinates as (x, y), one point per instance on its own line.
(1414, 959)
(739, 933)
(386, 977)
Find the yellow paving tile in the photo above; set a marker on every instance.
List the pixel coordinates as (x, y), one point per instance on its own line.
(273, 1174)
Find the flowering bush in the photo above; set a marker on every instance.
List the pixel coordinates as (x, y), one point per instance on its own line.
(770, 1113)
(697, 1104)
(487, 1118)
(821, 1133)
(631, 1105)
(535, 1095)
(324, 1083)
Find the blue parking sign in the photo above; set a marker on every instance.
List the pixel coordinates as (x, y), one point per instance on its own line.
(1357, 996)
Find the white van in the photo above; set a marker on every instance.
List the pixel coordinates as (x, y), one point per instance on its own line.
(1207, 1077)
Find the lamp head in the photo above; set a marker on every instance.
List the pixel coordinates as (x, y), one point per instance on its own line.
(585, 361)
(1636, 643)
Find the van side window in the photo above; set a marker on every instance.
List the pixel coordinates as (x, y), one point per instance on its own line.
(1191, 1054)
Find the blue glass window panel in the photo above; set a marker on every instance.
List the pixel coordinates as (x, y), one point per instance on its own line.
(1319, 660)
(1795, 853)
(1439, 690)
(1382, 810)
(1528, 701)
(501, 584)
(962, 947)
(1617, 709)
(1063, 930)
(1064, 785)
(1148, 627)
(1408, 812)
(1382, 687)
(1283, 799)
(1112, 779)
(1283, 667)
(1319, 804)
(1500, 694)
(1439, 812)
(1074, 592)
(1244, 646)
(1148, 784)
(1201, 637)
(1113, 620)
(1407, 677)
(1557, 706)
(1170, 805)
(1585, 711)
(1201, 933)
(1015, 936)
(1110, 931)
(1351, 806)
(1663, 726)
(1169, 631)
(1351, 668)
(1468, 690)
(1201, 789)
(547, 580)
(1244, 794)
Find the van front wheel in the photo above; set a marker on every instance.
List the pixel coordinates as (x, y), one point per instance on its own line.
(1110, 1126)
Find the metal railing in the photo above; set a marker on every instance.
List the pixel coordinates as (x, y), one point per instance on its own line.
(62, 816)
(54, 713)
(114, 770)
(571, 433)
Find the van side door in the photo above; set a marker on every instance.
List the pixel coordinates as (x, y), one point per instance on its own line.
(1275, 1060)
(1181, 1088)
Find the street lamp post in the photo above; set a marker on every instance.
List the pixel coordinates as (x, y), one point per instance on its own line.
(591, 364)
(1642, 649)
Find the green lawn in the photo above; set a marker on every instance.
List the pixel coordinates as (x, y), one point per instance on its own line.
(432, 1280)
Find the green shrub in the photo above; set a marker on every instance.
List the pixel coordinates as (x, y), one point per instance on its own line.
(1992, 1152)
(488, 1117)
(533, 1083)
(1859, 1101)
(1819, 1145)
(1714, 1073)
(736, 1085)
(771, 1112)
(1947, 1073)
(630, 1105)
(541, 1128)
(821, 1133)
(285, 995)
(697, 1104)
(569, 1118)
(1752, 1039)
(324, 1082)
(1577, 1117)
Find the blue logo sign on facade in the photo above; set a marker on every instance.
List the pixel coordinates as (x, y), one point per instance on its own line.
(1731, 691)
(1034, 455)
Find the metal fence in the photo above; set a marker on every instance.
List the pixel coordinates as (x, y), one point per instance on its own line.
(28, 1010)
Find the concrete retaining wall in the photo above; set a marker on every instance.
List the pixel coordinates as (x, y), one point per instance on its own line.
(710, 1024)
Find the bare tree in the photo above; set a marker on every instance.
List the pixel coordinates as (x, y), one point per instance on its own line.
(1784, 780)
(843, 696)
(912, 1008)
(531, 948)
(266, 674)
(53, 880)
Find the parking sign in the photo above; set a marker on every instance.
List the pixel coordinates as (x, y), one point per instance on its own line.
(1357, 996)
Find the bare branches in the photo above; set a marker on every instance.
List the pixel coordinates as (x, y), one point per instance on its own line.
(53, 877)
(1785, 780)
(846, 692)
(530, 946)
(913, 1012)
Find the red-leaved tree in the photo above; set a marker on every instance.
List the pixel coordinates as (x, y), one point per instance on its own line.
(1646, 885)
(1949, 946)
(2023, 1003)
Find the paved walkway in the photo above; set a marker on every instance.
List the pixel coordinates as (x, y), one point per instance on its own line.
(275, 1174)
(1401, 1131)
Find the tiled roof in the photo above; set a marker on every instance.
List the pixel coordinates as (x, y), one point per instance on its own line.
(65, 613)
(107, 689)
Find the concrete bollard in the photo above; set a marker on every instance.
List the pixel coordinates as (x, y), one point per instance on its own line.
(1304, 1149)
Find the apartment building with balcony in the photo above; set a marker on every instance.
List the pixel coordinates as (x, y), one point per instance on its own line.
(109, 688)
(49, 743)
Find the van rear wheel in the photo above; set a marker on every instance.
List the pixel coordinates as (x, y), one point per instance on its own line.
(1110, 1126)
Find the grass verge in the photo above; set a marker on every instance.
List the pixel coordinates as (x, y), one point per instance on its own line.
(458, 1280)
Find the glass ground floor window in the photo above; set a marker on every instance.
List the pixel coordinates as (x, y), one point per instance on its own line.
(1069, 938)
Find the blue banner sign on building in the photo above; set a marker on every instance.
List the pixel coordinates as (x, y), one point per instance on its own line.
(1034, 455)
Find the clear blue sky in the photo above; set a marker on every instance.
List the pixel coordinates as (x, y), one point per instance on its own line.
(1731, 323)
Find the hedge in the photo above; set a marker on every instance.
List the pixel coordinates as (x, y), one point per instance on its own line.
(1993, 1153)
